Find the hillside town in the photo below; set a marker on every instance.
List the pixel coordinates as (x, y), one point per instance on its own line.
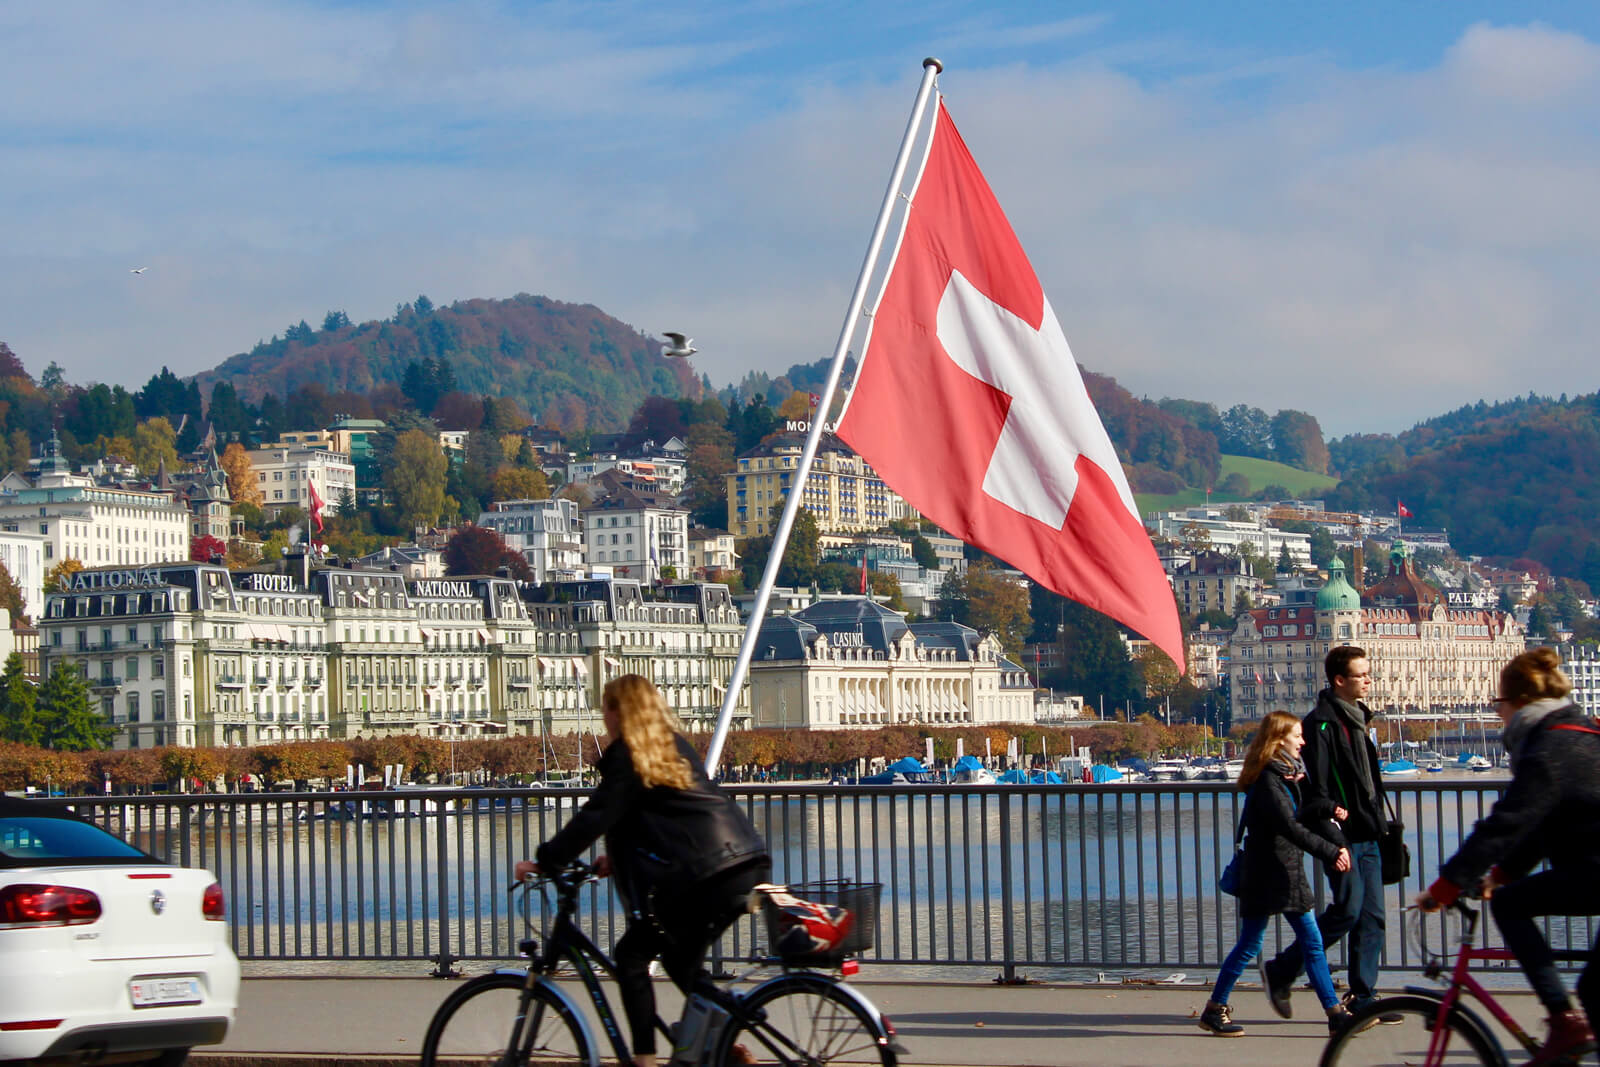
(186, 633)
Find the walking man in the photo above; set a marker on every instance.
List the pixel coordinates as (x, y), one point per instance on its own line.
(1342, 767)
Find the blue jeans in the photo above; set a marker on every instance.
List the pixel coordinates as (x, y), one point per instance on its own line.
(1306, 938)
(1357, 910)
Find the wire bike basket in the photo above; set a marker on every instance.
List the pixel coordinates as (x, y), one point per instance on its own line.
(860, 899)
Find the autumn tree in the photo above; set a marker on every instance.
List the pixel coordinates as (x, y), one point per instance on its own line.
(988, 601)
(480, 550)
(706, 468)
(242, 484)
(11, 598)
(520, 483)
(415, 478)
(207, 549)
(57, 578)
(154, 440)
(796, 407)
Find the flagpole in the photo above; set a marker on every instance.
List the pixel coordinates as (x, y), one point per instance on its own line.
(931, 69)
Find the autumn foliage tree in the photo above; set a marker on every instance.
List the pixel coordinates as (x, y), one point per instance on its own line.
(241, 473)
(480, 550)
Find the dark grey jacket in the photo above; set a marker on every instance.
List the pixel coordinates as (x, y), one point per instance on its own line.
(1277, 839)
(1342, 766)
(1550, 811)
(659, 836)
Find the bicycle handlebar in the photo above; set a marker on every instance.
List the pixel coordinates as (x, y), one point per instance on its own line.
(567, 880)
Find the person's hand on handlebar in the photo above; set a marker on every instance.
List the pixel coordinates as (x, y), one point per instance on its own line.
(526, 869)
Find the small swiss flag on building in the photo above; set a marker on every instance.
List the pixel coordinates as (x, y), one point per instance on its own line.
(969, 404)
(316, 505)
(1404, 512)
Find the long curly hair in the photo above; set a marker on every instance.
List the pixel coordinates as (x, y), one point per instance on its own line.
(1266, 745)
(647, 726)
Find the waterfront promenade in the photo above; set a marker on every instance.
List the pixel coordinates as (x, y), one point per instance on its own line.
(376, 1022)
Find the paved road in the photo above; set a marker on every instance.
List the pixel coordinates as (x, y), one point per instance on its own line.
(380, 1021)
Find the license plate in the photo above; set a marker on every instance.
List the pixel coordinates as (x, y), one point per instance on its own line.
(155, 992)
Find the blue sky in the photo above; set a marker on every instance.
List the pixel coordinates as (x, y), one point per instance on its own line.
(1373, 212)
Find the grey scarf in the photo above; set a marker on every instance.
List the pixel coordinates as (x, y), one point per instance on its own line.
(1522, 724)
(1358, 715)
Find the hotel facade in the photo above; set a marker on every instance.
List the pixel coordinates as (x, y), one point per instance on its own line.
(854, 664)
(1429, 657)
(192, 654)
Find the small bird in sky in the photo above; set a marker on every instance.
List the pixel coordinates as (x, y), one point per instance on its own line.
(681, 346)
(138, 270)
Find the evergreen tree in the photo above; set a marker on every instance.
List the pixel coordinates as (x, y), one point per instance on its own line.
(66, 720)
(18, 721)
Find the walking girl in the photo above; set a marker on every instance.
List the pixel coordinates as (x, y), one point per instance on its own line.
(1278, 834)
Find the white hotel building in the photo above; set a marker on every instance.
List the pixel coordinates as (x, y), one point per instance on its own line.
(854, 664)
(191, 654)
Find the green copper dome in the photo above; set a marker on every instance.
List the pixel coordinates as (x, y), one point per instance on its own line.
(1338, 594)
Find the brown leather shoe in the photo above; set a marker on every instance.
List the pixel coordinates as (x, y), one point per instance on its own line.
(1569, 1031)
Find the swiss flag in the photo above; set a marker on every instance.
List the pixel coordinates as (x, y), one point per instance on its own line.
(1405, 512)
(969, 403)
(316, 505)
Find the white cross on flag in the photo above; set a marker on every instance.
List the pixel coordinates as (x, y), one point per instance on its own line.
(969, 404)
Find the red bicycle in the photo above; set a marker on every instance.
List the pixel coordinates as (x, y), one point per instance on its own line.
(1436, 1028)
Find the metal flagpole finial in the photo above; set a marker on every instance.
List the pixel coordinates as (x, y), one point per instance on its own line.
(938, 67)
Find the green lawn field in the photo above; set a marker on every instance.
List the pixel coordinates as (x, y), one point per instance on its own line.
(1261, 472)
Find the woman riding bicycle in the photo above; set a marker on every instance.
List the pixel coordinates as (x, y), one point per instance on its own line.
(686, 858)
(1549, 812)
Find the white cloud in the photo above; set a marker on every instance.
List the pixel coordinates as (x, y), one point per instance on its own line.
(1371, 245)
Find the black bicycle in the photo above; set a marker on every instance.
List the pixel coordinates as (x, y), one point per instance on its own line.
(801, 1017)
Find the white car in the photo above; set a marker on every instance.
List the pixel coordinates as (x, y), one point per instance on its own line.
(106, 953)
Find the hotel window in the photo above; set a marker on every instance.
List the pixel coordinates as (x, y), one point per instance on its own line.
(133, 707)
(133, 667)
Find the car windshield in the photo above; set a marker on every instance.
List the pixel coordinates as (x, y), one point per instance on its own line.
(35, 841)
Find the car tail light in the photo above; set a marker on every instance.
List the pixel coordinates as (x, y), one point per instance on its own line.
(47, 905)
(212, 905)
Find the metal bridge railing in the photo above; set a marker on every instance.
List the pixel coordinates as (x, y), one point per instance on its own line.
(1062, 880)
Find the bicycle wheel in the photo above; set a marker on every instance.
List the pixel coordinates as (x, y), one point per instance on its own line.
(473, 1026)
(1406, 1043)
(807, 1020)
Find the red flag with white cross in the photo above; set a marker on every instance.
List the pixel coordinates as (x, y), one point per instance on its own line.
(316, 505)
(968, 402)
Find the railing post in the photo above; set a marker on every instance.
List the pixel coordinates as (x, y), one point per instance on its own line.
(442, 962)
(1008, 973)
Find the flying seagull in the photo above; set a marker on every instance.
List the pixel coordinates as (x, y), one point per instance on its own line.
(681, 346)
(138, 270)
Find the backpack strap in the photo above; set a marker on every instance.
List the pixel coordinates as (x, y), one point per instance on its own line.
(1575, 728)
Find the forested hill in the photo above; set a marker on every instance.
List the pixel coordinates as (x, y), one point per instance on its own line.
(569, 365)
(1520, 479)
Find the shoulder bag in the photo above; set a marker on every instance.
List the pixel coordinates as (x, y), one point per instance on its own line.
(1231, 880)
(1392, 848)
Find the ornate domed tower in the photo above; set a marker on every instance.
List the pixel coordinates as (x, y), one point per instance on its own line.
(1338, 608)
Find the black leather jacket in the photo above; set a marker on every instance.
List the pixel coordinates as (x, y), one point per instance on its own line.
(659, 836)
(1342, 766)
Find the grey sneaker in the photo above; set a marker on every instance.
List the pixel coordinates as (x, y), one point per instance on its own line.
(1277, 994)
(1218, 1019)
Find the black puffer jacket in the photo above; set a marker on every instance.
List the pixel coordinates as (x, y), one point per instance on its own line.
(1342, 765)
(1277, 839)
(1550, 811)
(659, 836)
